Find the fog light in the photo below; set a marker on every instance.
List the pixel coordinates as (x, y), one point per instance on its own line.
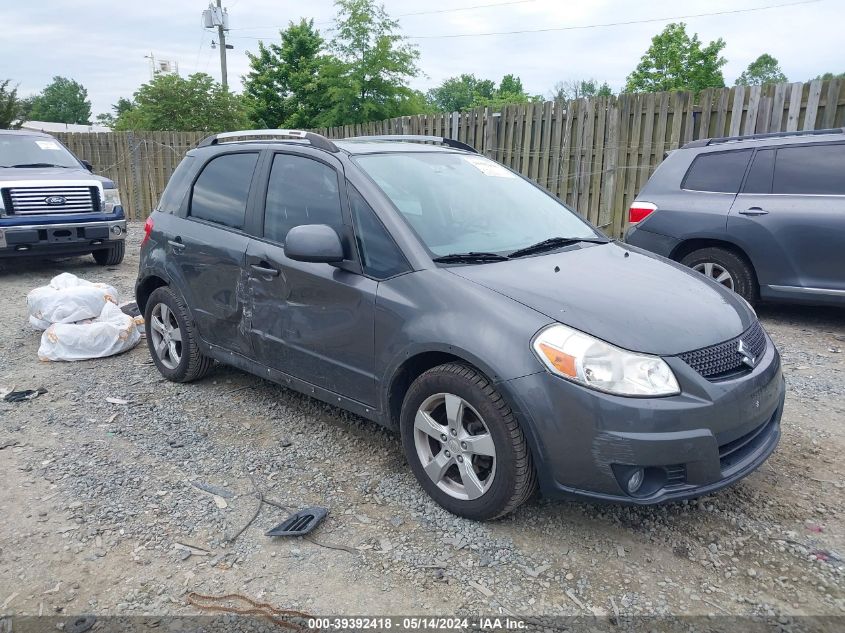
(116, 230)
(635, 480)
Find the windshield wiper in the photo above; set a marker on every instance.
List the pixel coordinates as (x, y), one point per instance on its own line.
(553, 243)
(39, 165)
(472, 256)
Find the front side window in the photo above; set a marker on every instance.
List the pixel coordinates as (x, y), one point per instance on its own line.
(719, 172)
(221, 191)
(301, 191)
(460, 203)
(380, 257)
(810, 169)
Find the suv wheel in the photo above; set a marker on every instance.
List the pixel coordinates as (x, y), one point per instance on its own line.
(171, 338)
(110, 256)
(725, 267)
(464, 444)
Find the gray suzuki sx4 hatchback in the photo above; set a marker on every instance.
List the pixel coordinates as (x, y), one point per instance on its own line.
(418, 284)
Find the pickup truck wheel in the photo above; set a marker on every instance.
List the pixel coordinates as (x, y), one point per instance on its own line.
(171, 338)
(111, 256)
(727, 268)
(465, 445)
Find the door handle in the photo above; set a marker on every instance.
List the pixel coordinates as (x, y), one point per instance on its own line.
(754, 211)
(177, 244)
(265, 270)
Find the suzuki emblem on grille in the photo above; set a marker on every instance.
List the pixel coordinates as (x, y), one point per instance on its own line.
(747, 358)
(55, 201)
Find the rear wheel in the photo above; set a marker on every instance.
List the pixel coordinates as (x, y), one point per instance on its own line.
(171, 338)
(111, 256)
(464, 443)
(725, 267)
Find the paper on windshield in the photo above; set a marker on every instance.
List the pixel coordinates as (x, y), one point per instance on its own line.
(48, 145)
(488, 167)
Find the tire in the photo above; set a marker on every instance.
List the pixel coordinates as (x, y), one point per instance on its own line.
(506, 483)
(743, 281)
(111, 256)
(166, 306)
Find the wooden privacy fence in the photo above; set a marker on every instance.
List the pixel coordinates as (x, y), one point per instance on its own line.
(594, 154)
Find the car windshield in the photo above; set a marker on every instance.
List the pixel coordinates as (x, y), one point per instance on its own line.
(459, 203)
(23, 150)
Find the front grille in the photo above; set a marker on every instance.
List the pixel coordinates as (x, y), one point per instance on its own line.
(676, 476)
(40, 200)
(725, 360)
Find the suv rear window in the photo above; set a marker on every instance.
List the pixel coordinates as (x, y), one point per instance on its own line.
(717, 171)
(810, 169)
(220, 193)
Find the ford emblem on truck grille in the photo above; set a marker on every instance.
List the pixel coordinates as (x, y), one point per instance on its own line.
(55, 201)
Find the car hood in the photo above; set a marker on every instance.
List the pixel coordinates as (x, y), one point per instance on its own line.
(50, 173)
(620, 294)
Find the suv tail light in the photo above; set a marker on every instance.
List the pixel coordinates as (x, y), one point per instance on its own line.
(148, 228)
(639, 211)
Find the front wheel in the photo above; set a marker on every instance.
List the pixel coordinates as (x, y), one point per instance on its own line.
(111, 256)
(464, 444)
(727, 268)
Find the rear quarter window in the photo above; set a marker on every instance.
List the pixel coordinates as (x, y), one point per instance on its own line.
(717, 171)
(177, 187)
(220, 193)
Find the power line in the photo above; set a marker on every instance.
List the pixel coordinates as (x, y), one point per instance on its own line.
(609, 24)
(406, 15)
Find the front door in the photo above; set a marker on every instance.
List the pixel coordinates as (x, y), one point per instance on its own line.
(790, 217)
(311, 321)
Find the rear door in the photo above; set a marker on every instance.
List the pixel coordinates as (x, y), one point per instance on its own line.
(312, 321)
(790, 217)
(209, 249)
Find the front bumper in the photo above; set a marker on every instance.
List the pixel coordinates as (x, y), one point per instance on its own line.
(707, 437)
(61, 238)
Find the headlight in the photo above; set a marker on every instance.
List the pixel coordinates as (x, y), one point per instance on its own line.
(593, 363)
(112, 199)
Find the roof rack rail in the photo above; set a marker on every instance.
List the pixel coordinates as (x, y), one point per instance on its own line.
(419, 138)
(317, 140)
(704, 142)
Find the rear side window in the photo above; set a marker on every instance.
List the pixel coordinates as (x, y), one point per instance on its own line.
(220, 193)
(760, 175)
(174, 192)
(720, 171)
(380, 257)
(300, 191)
(810, 169)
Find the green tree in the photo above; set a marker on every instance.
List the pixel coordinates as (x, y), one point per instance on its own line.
(286, 84)
(367, 78)
(579, 89)
(171, 102)
(122, 106)
(63, 101)
(11, 107)
(763, 70)
(827, 76)
(467, 91)
(676, 61)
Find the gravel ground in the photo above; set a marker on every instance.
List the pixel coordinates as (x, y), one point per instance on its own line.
(97, 497)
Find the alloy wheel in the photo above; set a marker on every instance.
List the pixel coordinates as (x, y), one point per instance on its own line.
(454, 446)
(166, 336)
(716, 272)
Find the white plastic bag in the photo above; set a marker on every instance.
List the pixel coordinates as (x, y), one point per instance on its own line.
(112, 332)
(66, 300)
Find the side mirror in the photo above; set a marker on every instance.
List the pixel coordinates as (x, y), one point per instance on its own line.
(315, 243)
(87, 165)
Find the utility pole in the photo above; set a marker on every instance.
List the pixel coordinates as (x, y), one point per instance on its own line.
(221, 34)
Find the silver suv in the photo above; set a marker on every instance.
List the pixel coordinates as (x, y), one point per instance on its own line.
(763, 215)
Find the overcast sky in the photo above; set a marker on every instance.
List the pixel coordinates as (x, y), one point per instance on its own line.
(102, 43)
